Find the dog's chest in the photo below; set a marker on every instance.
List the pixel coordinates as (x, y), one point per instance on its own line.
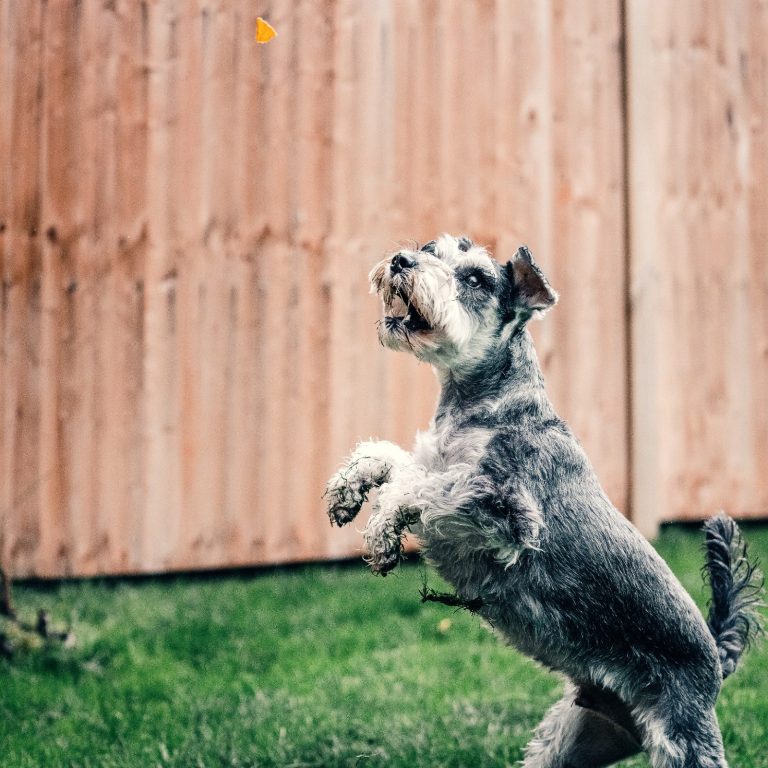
(447, 444)
(451, 540)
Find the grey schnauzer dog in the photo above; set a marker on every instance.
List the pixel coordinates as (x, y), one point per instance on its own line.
(509, 511)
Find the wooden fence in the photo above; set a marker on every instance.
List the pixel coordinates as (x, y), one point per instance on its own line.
(187, 220)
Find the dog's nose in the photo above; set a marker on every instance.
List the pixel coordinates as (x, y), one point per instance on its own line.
(401, 261)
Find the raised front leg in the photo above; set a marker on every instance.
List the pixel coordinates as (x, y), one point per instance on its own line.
(369, 466)
(398, 506)
(460, 504)
(413, 495)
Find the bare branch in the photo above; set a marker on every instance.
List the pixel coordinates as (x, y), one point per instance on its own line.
(473, 605)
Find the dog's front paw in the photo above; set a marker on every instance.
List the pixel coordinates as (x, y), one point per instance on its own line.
(385, 549)
(344, 497)
(381, 563)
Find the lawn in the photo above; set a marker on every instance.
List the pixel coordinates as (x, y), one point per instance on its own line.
(315, 666)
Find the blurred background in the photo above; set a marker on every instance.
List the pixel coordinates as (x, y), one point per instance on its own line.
(187, 220)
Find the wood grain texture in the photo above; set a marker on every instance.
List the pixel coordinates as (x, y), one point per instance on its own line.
(22, 267)
(698, 144)
(188, 220)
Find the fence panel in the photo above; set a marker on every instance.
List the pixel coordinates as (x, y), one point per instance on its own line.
(698, 143)
(188, 344)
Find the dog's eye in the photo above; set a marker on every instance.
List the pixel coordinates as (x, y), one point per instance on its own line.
(475, 279)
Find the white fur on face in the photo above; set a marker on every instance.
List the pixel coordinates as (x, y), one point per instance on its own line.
(423, 312)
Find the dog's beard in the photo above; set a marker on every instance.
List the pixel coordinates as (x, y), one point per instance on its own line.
(405, 326)
(421, 311)
(409, 321)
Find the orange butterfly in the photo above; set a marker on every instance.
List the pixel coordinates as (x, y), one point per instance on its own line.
(264, 31)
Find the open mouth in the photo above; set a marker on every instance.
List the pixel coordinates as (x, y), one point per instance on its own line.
(400, 311)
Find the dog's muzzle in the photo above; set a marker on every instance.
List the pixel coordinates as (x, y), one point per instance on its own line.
(400, 310)
(400, 262)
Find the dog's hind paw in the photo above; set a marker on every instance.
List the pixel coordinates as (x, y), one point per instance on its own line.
(385, 548)
(344, 499)
(382, 564)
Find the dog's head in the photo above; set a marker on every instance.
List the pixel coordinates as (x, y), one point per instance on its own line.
(450, 303)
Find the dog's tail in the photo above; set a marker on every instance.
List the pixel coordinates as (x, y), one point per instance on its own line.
(737, 587)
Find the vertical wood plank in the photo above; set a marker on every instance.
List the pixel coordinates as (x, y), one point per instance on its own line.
(7, 71)
(312, 218)
(584, 345)
(698, 111)
(59, 403)
(160, 538)
(252, 222)
(123, 348)
(23, 476)
(274, 253)
(93, 151)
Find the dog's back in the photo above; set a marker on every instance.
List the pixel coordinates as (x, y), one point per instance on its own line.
(592, 590)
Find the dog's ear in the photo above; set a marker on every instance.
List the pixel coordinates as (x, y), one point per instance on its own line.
(528, 289)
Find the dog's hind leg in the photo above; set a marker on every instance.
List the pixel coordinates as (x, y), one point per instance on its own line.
(587, 728)
(682, 737)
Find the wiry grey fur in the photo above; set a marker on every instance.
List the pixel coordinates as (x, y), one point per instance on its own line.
(736, 588)
(509, 511)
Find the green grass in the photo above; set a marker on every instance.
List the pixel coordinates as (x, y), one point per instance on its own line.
(318, 666)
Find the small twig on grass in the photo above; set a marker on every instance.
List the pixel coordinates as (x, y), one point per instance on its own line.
(42, 623)
(6, 602)
(7, 610)
(41, 627)
(6, 649)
